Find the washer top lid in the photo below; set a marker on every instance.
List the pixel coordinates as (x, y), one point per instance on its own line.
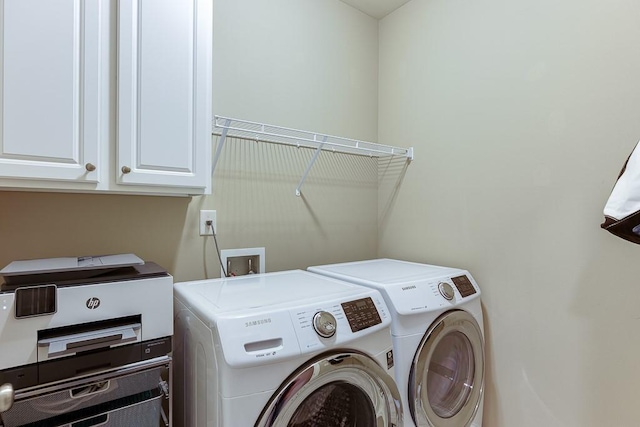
(385, 271)
(281, 289)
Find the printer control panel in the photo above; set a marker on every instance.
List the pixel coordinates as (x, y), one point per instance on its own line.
(35, 301)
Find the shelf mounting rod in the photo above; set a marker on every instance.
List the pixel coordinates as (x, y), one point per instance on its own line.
(310, 165)
(223, 136)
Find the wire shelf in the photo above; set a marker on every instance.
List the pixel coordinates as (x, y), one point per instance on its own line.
(280, 135)
(260, 132)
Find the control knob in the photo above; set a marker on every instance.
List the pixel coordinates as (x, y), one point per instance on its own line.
(325, 324)
(446, 290)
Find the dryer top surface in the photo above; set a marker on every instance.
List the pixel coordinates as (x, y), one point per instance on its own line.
(383, 272)
(409, 288)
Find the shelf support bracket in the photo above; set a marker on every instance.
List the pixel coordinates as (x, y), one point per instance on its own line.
(223, 137)
(410, 154)
(310, 165)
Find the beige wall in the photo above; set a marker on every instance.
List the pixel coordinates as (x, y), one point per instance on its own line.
(308, 65)
(522, 114)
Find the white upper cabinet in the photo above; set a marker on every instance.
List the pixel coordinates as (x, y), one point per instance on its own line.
(65, 63)
(50, 114)
(164, 87)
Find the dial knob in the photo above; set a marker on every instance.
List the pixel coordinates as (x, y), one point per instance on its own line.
(446, 290)
(6, 397)
(325, 324)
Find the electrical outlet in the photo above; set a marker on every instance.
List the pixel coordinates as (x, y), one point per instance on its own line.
(205, 216)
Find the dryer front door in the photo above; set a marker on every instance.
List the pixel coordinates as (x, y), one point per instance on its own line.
(340, 389)
(447, 373)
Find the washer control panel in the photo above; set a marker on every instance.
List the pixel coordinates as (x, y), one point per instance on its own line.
(337, 322)
(361, 314)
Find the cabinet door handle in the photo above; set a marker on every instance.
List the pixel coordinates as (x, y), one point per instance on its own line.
(90, 167)
(126, 169)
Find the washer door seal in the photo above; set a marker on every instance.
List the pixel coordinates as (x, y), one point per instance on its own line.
(335, 386)
(447, 374)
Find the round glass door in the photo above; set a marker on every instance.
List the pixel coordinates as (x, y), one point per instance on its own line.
(334, 404)
(343, 389)
(447, 374)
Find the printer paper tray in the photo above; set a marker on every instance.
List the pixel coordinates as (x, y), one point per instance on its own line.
(101, 338)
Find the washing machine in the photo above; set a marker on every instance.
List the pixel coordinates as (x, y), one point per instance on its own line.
(290, 349)
(438, 337)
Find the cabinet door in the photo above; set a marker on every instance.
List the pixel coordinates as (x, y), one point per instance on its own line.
(49, 89)
(164, 92)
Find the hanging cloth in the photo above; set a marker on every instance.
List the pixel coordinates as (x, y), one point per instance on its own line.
(622, 211)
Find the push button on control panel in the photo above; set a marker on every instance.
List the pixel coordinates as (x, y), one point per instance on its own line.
(325, 324)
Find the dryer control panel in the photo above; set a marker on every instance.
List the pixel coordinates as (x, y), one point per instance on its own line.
(464, 285)
(409, 298)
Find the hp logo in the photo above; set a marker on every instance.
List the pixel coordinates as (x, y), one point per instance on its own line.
(93, 303)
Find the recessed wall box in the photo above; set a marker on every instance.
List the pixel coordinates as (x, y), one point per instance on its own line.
(239, 262)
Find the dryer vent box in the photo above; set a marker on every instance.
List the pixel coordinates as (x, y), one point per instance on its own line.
(240, 262)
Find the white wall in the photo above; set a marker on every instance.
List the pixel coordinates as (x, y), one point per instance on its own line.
(522, 113)
(309, 65)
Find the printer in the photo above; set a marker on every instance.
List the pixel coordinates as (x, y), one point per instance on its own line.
(82, 338)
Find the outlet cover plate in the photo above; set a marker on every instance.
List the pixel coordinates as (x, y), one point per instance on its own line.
(205, 216)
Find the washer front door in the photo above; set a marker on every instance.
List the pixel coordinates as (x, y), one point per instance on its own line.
(343, 389)
(447, 374)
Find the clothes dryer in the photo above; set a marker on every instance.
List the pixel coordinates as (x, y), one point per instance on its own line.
(438, 337)
(287, 349)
